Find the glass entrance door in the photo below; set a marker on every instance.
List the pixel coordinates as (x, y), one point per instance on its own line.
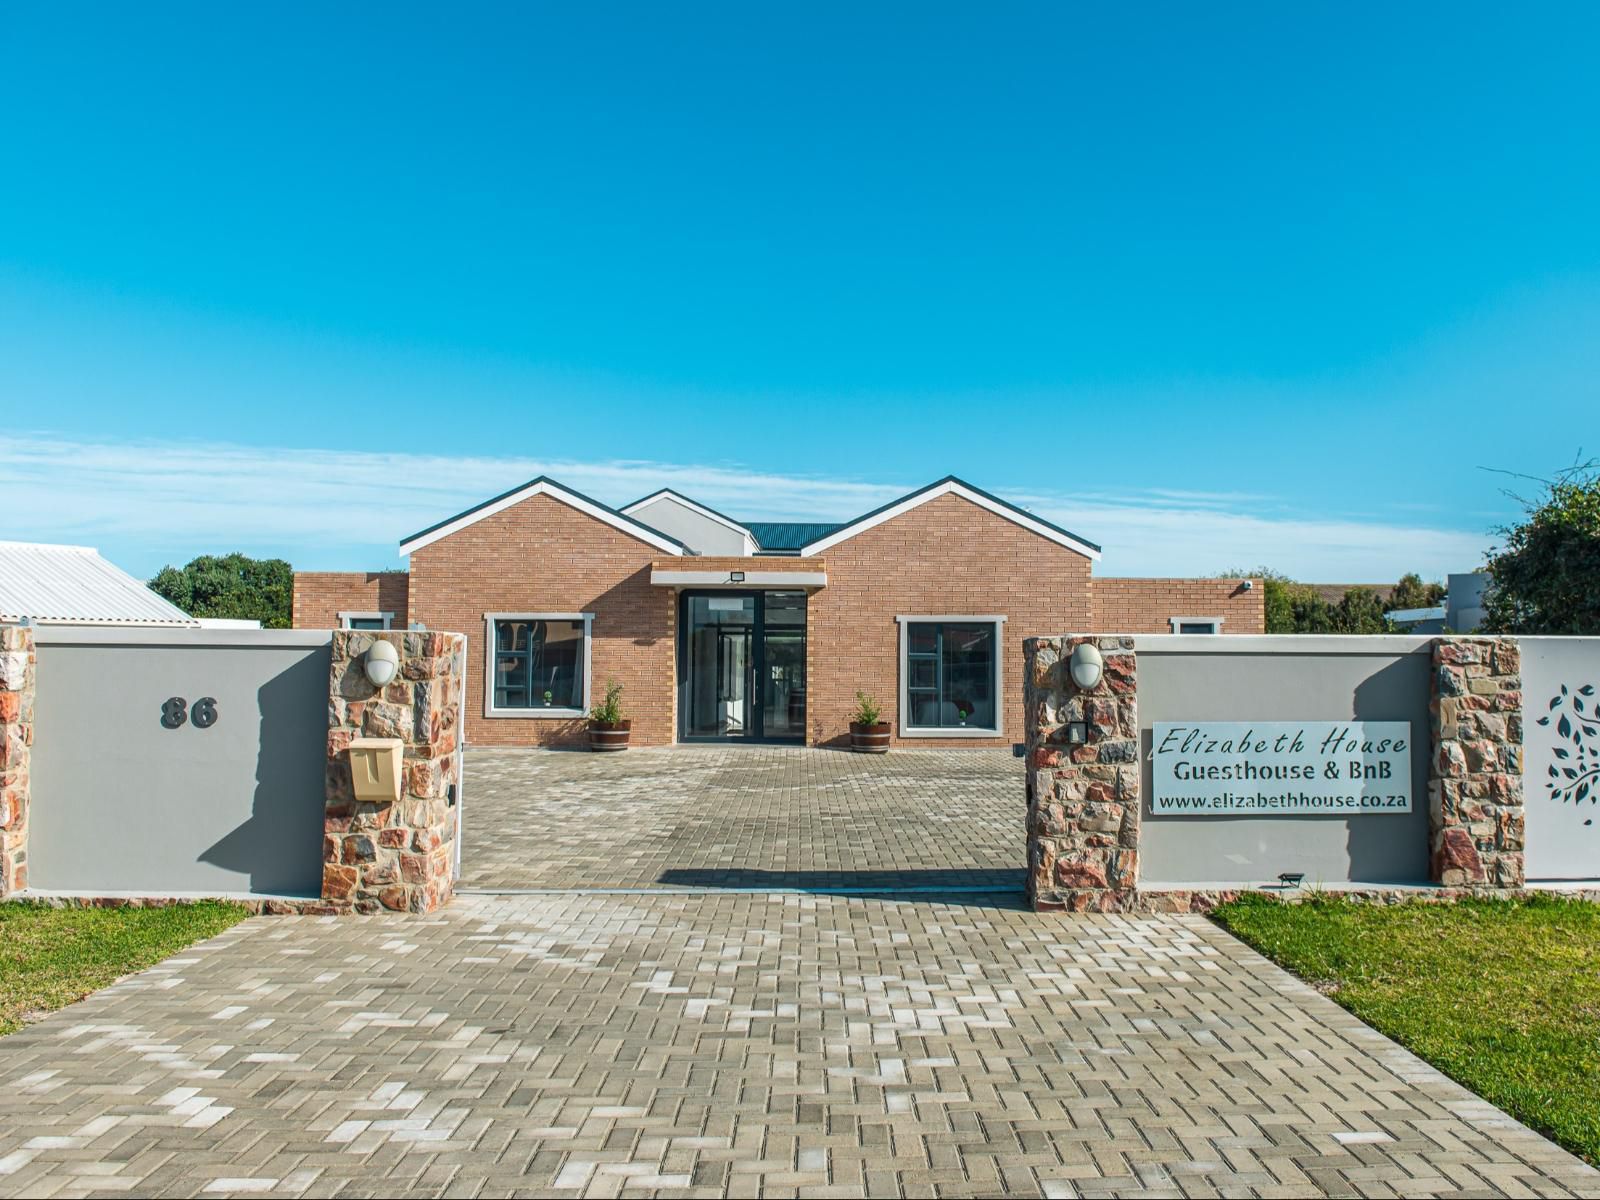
(742, 666)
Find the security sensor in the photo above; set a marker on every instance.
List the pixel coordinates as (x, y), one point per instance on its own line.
(1249, 585)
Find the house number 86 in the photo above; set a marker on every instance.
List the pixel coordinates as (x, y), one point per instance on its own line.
(176, 711)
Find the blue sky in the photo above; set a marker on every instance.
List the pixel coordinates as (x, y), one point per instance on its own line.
(1212, 285)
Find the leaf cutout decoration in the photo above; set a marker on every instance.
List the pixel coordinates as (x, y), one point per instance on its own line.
(1583, 790)
(1569, 772)
(1544, 720)
(1564, 727)
(1555, 701)
(1561, 752)
(1586, 690)
(1577, 705)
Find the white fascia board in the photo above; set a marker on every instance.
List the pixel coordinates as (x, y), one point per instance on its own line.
(541, 488)
(944, 489)
(684, 501)
(754, 581)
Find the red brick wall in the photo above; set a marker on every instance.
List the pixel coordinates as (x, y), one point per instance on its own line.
(320, 596)
(1148, 605)
(947, 557)
(544, 556)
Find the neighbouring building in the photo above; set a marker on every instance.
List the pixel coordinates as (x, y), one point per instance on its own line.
(727, 630)
(49, 584)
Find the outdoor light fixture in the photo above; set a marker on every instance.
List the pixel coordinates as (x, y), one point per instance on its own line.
(735, 576)
(1077, 733)
(1086, 665)
(380, 662)
(1291, 878)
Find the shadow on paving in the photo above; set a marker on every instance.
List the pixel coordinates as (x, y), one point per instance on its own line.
(944, 882)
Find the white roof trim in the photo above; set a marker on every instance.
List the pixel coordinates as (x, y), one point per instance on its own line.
(541, 487)
(949, 487)
(691, 506)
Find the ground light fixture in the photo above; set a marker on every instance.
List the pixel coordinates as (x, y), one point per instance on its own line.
(380, 662)
(1086, 665)
(735, 576)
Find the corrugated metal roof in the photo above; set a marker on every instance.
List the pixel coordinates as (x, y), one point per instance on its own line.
(787, 535)
(74, 584)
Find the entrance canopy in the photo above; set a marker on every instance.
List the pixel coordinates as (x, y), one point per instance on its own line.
(742, 574)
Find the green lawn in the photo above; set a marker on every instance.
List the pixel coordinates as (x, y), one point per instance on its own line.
(1503, 996)
(51, 957)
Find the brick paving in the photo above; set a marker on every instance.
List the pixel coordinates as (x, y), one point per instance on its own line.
(740, 1044)
(743, 816)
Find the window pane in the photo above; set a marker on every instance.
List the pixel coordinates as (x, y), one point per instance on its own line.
(365, 623)
(950, 671)
(538, 664)
(1197, 627)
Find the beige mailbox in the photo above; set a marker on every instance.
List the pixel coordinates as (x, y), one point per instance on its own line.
(375, 768)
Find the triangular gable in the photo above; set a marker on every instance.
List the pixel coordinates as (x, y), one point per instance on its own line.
(542, 486)
(951, 486)
(694, 506)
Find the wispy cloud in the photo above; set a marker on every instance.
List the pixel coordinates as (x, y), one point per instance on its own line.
(148, 502)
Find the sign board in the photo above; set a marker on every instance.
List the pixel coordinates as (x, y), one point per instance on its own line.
(1280, 768)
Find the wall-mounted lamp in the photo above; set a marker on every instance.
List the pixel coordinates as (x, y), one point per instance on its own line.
(735, 576)
(1086, 665)
(1077, 733)
(381, 662)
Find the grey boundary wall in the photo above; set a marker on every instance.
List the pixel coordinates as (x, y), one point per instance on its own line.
(258, 806)
(1091, 839)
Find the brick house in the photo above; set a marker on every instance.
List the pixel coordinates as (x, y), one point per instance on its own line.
(727, 630)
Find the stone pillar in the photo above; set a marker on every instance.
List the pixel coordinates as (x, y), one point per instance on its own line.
(394, 856)
(1083, 799)
(1475, 806)
(16, 747)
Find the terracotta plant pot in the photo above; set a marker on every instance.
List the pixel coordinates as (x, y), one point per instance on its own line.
(869, 739)
(609, 738)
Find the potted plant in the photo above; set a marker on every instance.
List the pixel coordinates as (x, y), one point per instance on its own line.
(608, 730)
(869, 733)
(548, 696)
(961, 715)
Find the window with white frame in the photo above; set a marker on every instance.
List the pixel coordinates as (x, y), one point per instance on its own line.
(1196, 624)
(366, 620)
(950, 683)
(538, 664)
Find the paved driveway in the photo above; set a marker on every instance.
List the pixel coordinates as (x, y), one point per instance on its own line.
(746, 816)
(737, 1044)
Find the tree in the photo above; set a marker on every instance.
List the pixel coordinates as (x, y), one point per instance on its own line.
(1411, 592)
(258, 589)
(1546, 577)
(1299, 608)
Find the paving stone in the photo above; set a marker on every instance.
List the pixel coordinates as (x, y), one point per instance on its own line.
(743, 816)
(693, 1044)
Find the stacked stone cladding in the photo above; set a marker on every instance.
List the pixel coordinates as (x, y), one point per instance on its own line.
(17, 667)
(1083, 799)
(399, 856)
(1475, 792)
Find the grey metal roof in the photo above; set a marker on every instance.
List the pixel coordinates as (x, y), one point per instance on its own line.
(780, 536)
(64, 584)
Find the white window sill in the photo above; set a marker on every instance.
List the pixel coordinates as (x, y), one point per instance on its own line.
(539, 713)
(957, 731)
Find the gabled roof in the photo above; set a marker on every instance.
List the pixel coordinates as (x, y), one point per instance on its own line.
(787, 537)
(692, 506)
(947, 486)
(543, 486)
(73, 584)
